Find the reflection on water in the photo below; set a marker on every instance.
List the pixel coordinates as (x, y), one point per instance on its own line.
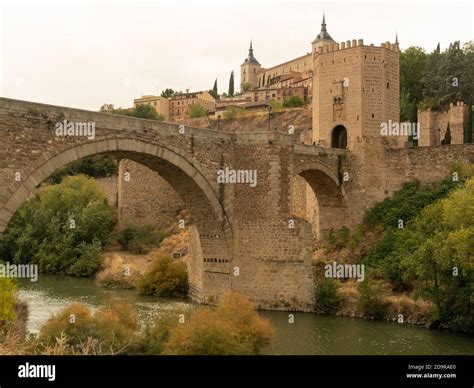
(309, 334)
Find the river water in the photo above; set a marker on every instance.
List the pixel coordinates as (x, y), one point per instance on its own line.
(309, 334)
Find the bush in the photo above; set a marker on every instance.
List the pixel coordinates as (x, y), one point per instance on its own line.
(113, 327)
(328, 300)
(371, 301)
(196, 110)
(8, 300)
(293, 102)
(336, 239)
(233, 328)
(407, 203)
(140, 239)
(165, 277)
(153, 339)
(233, 112)
(62, 229)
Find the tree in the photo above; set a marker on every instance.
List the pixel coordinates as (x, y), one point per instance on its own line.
(245, 87)
(412, 66)
(468, 129)
(63, 229)
(447, 136)
(293, 102)
(231, 84)
(143, 111)
(196, 110)
(214, 89)
(167, 93)
(432, 82)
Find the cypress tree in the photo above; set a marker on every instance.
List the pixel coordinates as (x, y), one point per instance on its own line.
(447, 136)
(231, 84)
(214, 89)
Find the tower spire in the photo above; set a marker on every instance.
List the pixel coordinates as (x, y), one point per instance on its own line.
(323, 24)
(396, 38)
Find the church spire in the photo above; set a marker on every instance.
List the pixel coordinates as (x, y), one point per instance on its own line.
(323, 35)
(251, 58)
(396, 38)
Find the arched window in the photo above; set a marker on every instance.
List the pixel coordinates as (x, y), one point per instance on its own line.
(339, 137)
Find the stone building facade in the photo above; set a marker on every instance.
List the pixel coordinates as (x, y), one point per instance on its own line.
(434, 125)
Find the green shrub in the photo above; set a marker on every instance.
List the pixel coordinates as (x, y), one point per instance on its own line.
(165, 277)
(293, 102)
(233, 328)
(8, 300)
(96, 166)
(62, 228)
(337, 238)
(196, 110)
(233, 112)
(407, 203)
(153, 339)
(113, 327)
(371, 301)
(140, 239)
(328, 300)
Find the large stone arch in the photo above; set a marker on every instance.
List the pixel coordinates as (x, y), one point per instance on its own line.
(325, 197)
(212, 236)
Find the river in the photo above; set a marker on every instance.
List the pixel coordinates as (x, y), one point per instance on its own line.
(309, 334)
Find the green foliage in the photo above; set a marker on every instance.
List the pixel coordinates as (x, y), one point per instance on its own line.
(153, 339)
(233, 328)
(371, 301)
(245, 87)
(412, 65)
(40, 231)
(328, 300)
(233, 112)
(167, 93)
(114, 327)
(447, 136)
(277, 106)
(142, 111)
(165, 277)
(434, 254)
(8, 299)
(293, 102)
(231, 84)
(337, 238)
(96, 166)
(407, 203)
(196, 110)
(140, 239)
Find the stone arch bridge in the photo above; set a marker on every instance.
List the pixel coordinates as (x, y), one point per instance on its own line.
(245, 238)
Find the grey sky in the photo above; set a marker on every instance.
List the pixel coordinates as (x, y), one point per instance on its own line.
(84, 54)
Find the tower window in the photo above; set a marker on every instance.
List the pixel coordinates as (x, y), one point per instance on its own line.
(373, 115)
(339, 137)
(388, 85)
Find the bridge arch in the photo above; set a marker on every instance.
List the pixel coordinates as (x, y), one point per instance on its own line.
(210, 240)
(325, 200)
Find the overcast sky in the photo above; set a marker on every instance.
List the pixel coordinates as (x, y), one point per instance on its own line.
(86, 53)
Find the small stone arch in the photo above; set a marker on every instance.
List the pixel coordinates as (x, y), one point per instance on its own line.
(326, 206)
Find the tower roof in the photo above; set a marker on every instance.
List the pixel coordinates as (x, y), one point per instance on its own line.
(323, 35)
(251, 58)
